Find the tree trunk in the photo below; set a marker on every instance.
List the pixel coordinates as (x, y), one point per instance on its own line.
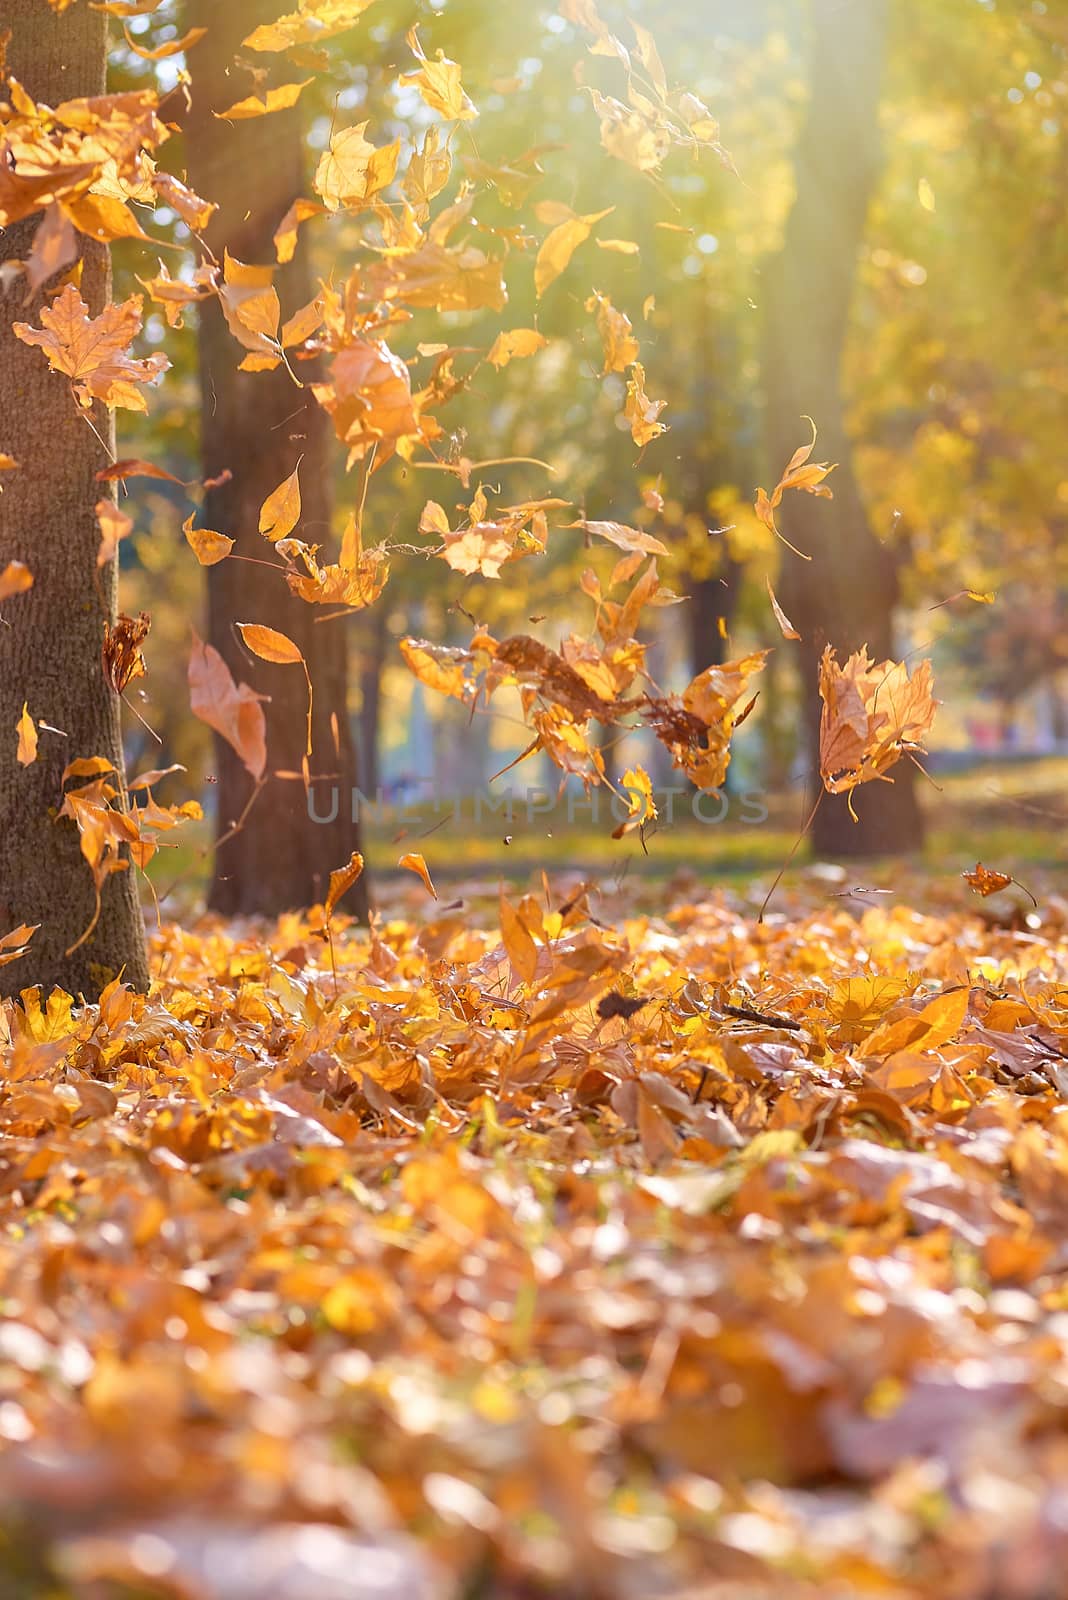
(846, 594)
(51, 635)
(711, 599)
(258, 425)
(373, 637)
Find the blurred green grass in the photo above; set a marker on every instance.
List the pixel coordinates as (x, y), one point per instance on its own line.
(1012, 816)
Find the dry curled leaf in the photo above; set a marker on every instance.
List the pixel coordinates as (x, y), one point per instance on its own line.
(413, 862)
(121, 653)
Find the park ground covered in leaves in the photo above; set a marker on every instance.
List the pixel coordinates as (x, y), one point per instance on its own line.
(546, 1245)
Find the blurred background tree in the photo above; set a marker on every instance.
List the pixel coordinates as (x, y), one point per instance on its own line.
(929, 210)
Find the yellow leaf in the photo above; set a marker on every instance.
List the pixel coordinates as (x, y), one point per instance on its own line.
(269, 644)
(342, 880)
(280, 512)
(280, 99)
(285, 235)
(208, 547)
(520, 947)
(16, 578)
(314, 21)
(414, 862)
(352, 170)
(27, 732)
(170, 47)
(788, 629)
(91, 351)
(513, 344)
(560, 245)
(439, 83)
(642, 413)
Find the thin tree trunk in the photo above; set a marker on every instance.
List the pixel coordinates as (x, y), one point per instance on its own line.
(711, 599)
(373, 637)
(51, 635)
(258, 425)
(846, 594)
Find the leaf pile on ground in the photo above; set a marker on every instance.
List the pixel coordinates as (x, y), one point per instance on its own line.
(544, 1246)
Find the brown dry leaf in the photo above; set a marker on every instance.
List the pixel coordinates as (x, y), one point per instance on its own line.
(14, 945)
(121, 653)
(802, 474)
(872, 716)
(233, 710)
(26, 729)
(986, 880)
(342, 880)
(208, 546)
(91, 351)
(413, 862)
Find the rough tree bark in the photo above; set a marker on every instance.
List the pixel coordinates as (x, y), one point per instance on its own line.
(258, 425)
(846, 594)
(51, 635)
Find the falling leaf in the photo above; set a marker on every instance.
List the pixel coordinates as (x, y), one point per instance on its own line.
(986, 880)
(800, 474)
(15, 578)
(121, 653)
(14, 945)
(115, 524)
(170, 47)
(438, 82)
(280, 512)
(269, 644)
(624, 538)
(617, 336)
(342, 880)
(787, 627)
(132, 468)
(250, 305)
(560, 245)
(314, 21)
(208, 546)
(516, 343)
(414, 863)
(282, 98)
(641, 806)
(233, 710)
(352, 171)
(642, 413)
(91, 351)
(27, 738)
(872, 716)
